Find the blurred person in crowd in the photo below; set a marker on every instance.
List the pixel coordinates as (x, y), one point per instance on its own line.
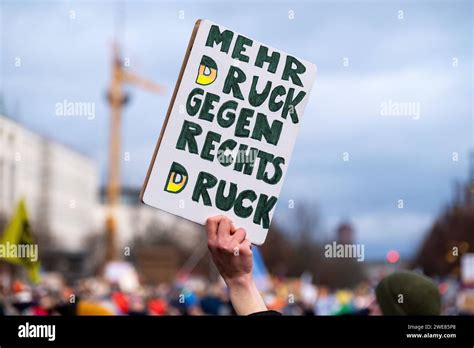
(401, 293)
(214, 301)
(44, 302)
(22, 298)
(3, 295)
(137, 305)
(157, 306)
(326, 303)
(67, 304)
(185, 301)
(406, 293)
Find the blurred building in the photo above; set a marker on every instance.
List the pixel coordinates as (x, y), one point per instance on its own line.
(67, 209)
(58, 183)
(156, 242)
(345, 233)
(135, 219)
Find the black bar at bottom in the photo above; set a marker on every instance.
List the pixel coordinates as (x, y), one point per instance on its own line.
(135, 331)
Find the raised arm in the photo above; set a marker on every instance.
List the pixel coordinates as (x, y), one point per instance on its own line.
(232, 255)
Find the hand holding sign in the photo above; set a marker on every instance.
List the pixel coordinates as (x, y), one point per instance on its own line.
(230, 130)
(232, 255)
(231, 252)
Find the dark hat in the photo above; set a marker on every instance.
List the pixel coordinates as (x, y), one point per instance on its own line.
(408, 293)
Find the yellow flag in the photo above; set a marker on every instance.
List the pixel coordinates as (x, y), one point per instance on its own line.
(17, 245)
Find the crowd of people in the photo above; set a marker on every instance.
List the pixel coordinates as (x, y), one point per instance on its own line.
(190, 296)
(243, 288)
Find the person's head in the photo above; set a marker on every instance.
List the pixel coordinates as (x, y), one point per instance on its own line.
(408, 293)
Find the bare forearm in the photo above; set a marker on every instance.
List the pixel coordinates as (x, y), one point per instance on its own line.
(232, 255)
(245, 297)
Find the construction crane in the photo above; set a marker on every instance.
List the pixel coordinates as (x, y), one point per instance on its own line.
(117, 98)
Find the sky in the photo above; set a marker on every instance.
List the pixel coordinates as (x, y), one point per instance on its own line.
(352, 160)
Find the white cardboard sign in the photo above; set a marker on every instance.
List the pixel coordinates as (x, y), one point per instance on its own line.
(229, 133)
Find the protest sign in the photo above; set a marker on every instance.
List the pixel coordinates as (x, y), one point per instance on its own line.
(229, 132)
